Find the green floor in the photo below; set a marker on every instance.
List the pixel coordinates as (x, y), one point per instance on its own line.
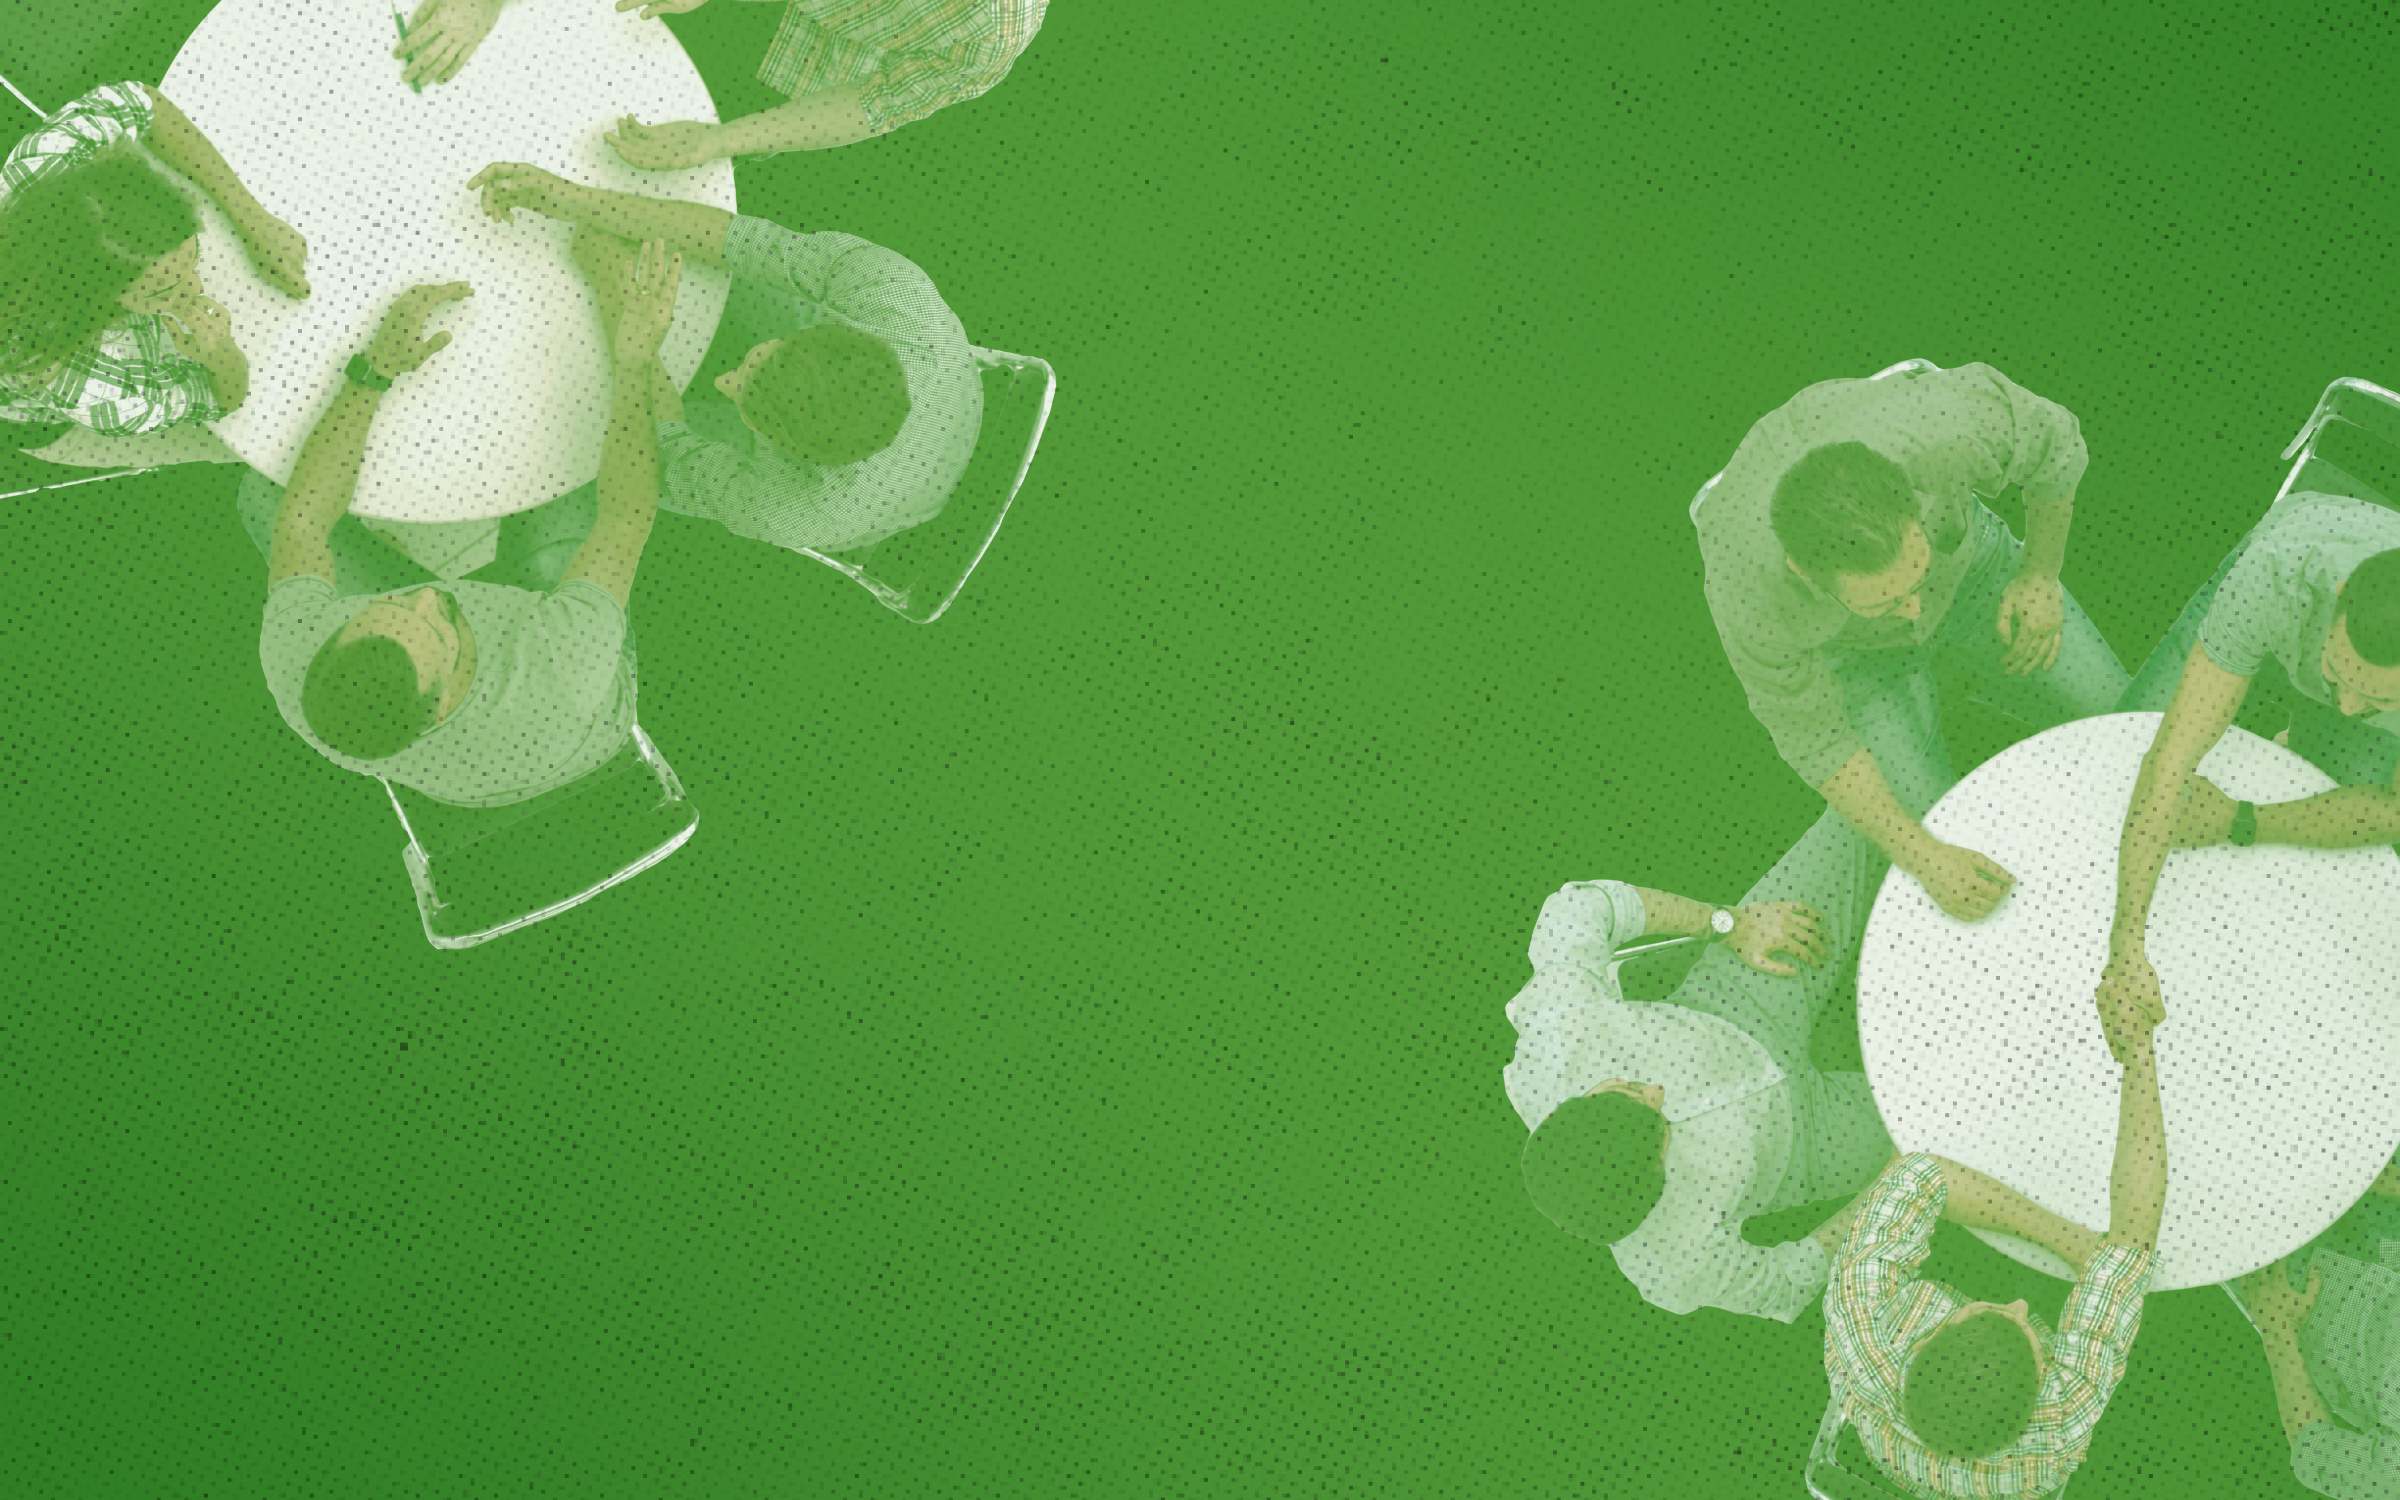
(1066, 1062)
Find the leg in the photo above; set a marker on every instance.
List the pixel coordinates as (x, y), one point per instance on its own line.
(2087, 678)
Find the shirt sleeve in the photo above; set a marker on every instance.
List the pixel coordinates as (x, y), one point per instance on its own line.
(1887, 1245)
(159, 390)
(583, 639)
(756, 250)
(2096, 1331)
(1754, 1281)
(1791, 691)
(2032, 442)
(110, 113)
(1583, 923)
(913, 84)
(2238, 631)
(2346, 1465)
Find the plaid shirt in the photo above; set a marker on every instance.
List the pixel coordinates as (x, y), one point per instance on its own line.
(911, 56)
(129, 379)
(1877, 1308)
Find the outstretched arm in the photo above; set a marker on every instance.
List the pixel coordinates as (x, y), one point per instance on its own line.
(1978, 1201)
(628, 485)
(274, 248)
(2137, 1181)
(694, 229)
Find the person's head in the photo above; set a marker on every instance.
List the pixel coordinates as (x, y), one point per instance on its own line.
(80, 247)
(828, 394)
(2361, 662)
(1971, 1382)
(398, 668)
(1847, 519)
(1597, 1165)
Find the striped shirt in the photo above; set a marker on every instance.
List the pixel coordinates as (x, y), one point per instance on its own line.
(712, 466)
(910, 57)
(1877, 1308)
(129, 379)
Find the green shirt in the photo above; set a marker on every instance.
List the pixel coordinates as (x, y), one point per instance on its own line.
(1961, 436)
(2278, 599)
(551, 698)
(711, 465)
(2350, 1343)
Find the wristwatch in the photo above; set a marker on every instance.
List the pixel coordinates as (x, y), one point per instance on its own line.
(361, 372)
(2244, 831)
(1720, 921)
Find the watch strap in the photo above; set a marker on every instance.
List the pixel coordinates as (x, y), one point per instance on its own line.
(361, 372)
(2244, 831)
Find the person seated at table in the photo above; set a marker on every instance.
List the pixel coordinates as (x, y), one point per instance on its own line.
(849, 70)
(2333, 1353)
(474, 693)
(2314, 593)
(1849, 553)
(1659, 1128)
(104, 323)
(840, 401)
(1955, 1397)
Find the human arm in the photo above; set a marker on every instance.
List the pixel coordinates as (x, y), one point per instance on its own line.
(628, 484)
(2033, 608)
(814, 121)
(1962, 882)
(1978, 1201)
(441, 36)
(326, 473)
(694, 229)
(2137, 1177)
(1761, 929)
(276, 250)
(2277, 1310)
(204, 335)
(2348, 817)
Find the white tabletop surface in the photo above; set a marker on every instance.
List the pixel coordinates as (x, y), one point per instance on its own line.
(305, 101)
(2279, 1061)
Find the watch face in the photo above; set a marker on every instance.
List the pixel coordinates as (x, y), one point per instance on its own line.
(1720, 922)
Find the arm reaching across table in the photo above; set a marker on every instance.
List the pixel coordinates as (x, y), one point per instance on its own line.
(275, 249)
(693, 229)
(628, 485)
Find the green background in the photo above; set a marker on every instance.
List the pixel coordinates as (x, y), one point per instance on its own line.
(1067, 1059)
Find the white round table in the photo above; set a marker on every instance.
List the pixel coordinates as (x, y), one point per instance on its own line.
(305, 100)
(2279, 1061)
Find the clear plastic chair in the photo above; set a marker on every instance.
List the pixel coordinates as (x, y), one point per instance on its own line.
(479, 873)
(916, 573)
(1905, 367)
(1650, 971)
(2350, 445)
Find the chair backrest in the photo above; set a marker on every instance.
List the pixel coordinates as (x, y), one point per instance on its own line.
(1905, 367)
(18, 94)
(916, 573)
(481, 872)
(2350, 445)
(1650, 971)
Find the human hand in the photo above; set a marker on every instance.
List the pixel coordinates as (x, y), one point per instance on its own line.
(2268, 1297)
(276, 251)
(1766, 928)
(2205, 815)
(662, 147)
(2033, 617)
(646, 286)
(1963, 883)
(2129, 1002)
(660, 7)
(510, 185)
(442, 35)
(396, 349)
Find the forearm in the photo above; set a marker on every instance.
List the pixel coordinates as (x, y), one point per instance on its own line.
(2137, 1179)
(628, 484)
(2346, 818)
(694, 228)
(1666, 914)
(178, 142)
(228, 372)
(326, 473)
(2296, 1400)
(812, 122)
(2046, 528)
(2142, 849)
(1836, 1229)
(1859, 792)
(1977, 1201)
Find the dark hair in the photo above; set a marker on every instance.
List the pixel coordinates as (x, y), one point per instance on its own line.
(1592, 1167)
(1842, 509)
(2370, 607)
(360, 697)
(829, 394)
(1969, 1391)
(71, 243)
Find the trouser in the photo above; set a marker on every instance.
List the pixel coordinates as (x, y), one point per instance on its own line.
(2352, 752)
(1838, 1139)
(1894, 703)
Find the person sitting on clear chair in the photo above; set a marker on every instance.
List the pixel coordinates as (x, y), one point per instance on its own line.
(1954, 1397)
(840, 401)
(2314, 594)
(1659, 1128)
(1848, 553)
(103, 321)
(476, 693)
(849, 70)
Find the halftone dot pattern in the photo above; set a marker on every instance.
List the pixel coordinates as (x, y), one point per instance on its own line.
(1066, 1060)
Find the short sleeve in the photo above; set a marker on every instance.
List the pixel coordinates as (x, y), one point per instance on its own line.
(986, 39)
(1583, 923)
(301, 612)
(108, 114)
(2237, 632)
(756, 250)
(2037, 443)
(1887, 1246)
(2103, 1313)
(1727, 1272)
(2346, 1465)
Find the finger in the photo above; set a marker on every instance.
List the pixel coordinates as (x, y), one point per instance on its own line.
(434, 345)
(2006, 623)
(1779, 970)
(1991, 870)
(458, 60)
(2050, 659)
(626, 5)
